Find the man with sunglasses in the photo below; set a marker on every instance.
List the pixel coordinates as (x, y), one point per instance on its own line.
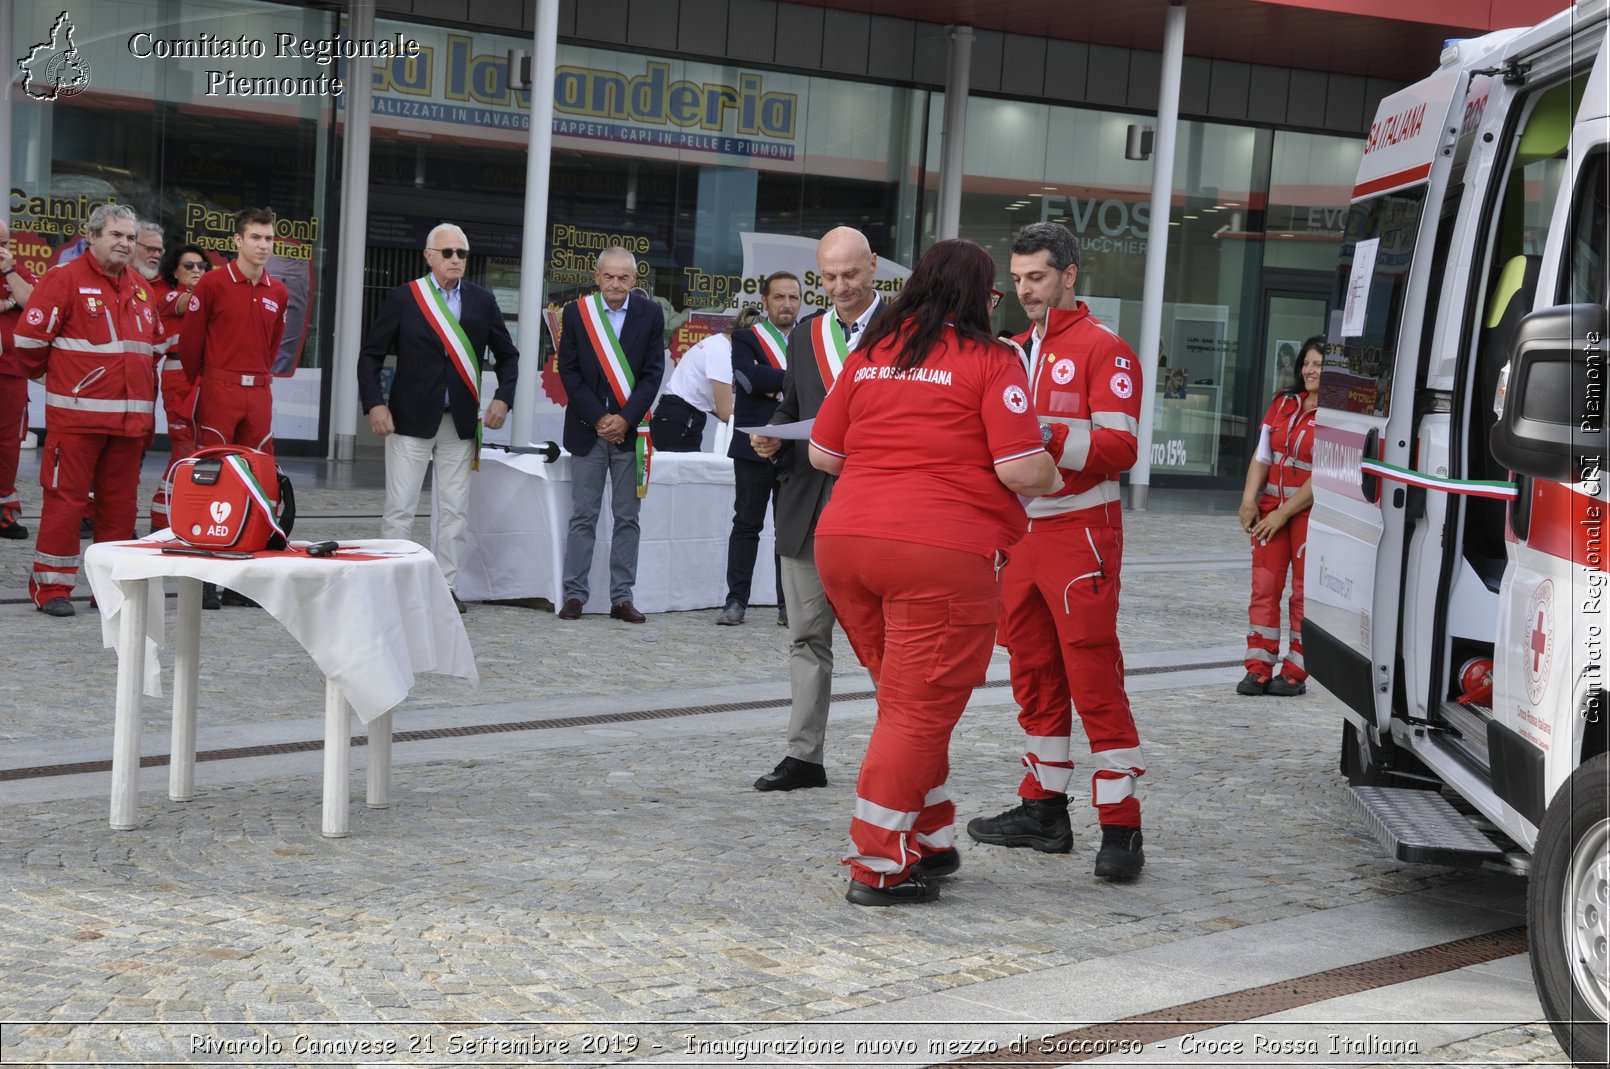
(439, 327)
(232, 329)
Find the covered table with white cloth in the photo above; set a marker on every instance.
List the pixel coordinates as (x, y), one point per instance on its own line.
(520, 512)
(372, 616)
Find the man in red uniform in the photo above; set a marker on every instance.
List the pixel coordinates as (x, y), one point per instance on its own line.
(16, 286)
(92, 329)
(1059, 591)
(232, 330)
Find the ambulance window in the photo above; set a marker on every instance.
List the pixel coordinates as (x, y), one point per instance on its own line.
(1358, 371)
(1585, 280)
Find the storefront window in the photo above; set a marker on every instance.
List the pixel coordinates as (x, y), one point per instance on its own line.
(185, 142)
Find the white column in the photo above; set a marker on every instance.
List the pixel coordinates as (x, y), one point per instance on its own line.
(342, 367)
(953, 138)
(1151, 313)
(533, 293)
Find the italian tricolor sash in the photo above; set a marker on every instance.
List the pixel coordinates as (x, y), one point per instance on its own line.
(456, 344)
(773, 345)
(607, 347)
(255, 490)
(618, 373)
(827, 339)
(1501, 491)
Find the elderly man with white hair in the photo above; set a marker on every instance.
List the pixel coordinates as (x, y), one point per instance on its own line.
(439, 327)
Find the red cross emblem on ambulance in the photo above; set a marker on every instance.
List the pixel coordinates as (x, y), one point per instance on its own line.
(1539, 640)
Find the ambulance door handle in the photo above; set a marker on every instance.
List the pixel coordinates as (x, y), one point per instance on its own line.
(1371, 484)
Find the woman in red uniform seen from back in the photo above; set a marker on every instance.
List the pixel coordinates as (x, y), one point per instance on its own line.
(930, 431)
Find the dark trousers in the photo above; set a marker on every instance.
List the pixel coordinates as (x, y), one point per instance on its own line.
(677, 426)
(756, 484)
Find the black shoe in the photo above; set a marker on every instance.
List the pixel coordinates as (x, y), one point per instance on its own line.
(13, 529)
(1120, 856)
(1252, 685)
(732, 614)
(209, 596)
(914, 888)
(792, 773)
(457, 604)
(232, 597)
(1286, 687)
(1041, 823)
(58, 607)
(943, 863)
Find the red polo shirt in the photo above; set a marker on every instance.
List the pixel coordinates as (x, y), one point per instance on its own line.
(233, 325)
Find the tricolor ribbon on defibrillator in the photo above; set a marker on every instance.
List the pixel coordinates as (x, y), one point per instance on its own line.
(827, 339)
(255, 489)
(456, 344)
(773, 344)
(618, 373)
(1501, 491)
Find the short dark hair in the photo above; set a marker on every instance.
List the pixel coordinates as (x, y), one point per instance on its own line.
(247, 216)
(169, 270)
(777, 276)
(1054, 238)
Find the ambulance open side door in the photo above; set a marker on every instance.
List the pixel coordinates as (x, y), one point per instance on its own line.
(1359, 524)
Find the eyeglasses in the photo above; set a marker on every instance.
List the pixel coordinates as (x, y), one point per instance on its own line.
(193, 265)
(995, 299)
(462, 254)
(149, 248)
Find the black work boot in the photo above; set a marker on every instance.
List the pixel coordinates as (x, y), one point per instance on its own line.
(1120, 856)
(1041, 823)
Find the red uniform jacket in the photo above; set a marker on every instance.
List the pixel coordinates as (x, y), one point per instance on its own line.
(96, 339)
(1087, 387)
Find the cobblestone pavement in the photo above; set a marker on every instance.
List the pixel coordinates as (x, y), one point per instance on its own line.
(621, 882)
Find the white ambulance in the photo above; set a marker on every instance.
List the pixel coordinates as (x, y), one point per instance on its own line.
(1456, 557)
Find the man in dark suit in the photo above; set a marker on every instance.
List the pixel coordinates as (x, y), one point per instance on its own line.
(440, 327)
(816, 352)
(611, 359)
(759, 360)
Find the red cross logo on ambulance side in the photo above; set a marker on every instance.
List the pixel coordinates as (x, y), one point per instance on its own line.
(1539, 640)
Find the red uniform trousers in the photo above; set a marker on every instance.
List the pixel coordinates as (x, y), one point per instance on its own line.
(179, 402)
(1059, 595)
(922, 620)
(228, 413)
(13, 425)
(1287, 550)
(73, 465)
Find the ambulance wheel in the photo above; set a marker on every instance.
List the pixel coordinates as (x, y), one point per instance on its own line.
(1568, 912)
(1362, 763)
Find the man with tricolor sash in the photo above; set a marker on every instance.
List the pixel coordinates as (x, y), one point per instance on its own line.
(816, 353)
(759, 359)
(611, 360)
(440, 328)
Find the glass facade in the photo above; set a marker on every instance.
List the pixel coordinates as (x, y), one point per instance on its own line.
(713, 173)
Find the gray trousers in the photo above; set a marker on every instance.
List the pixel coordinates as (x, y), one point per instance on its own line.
(617, 463)
(810, 658)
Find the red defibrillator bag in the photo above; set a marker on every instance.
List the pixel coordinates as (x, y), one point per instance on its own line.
(230, 497)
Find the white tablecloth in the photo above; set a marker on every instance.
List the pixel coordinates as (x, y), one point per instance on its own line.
(370, 625)
(520, 512)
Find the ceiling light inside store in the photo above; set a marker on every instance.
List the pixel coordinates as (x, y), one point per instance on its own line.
(1190, 217)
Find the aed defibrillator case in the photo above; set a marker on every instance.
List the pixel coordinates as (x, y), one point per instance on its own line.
(229, 497)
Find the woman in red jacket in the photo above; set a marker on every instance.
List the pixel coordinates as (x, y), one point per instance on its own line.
(930, 431)
(1274, 511)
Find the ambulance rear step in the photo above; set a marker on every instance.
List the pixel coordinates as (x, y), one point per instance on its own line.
(1423, 827)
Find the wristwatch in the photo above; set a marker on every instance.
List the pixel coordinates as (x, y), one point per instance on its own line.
(1045, 434)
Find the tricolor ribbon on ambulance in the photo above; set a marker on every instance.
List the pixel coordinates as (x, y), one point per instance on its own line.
(456, 344)
(827, 339)
(1501, 491)
(618, 373)
(773, 344)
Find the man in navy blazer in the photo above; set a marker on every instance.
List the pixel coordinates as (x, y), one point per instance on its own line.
(440, 328)
(611, 359)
